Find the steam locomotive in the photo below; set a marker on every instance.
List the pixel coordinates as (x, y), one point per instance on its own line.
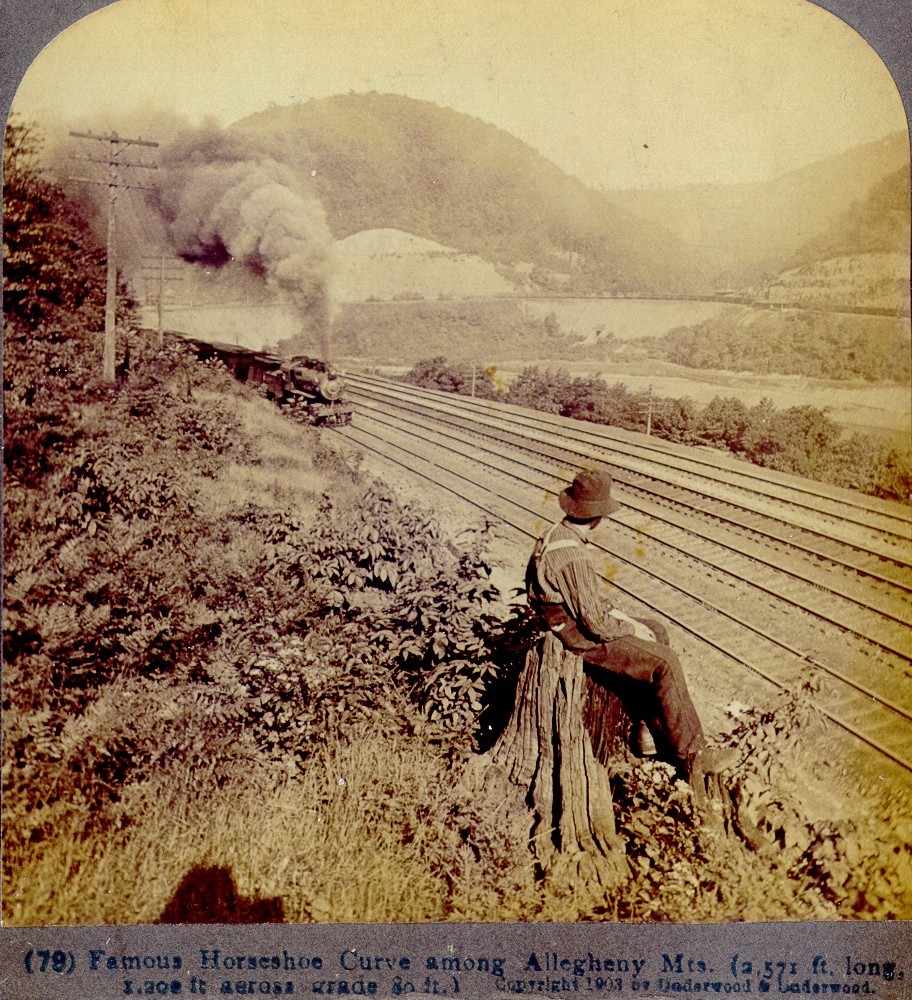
(310, 387)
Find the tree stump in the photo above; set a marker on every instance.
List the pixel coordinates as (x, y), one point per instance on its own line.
(545, 748)
(606, 722)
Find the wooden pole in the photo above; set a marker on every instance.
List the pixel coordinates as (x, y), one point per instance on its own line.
(161, 301)
(110, 333)
(114, 182)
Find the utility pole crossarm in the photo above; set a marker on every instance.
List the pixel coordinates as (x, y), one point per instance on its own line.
(120, 186)
(114, 184)
(108, 162)
(161, 275)
(114, 138)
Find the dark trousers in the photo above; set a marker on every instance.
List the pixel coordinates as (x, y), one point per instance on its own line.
(649, 679)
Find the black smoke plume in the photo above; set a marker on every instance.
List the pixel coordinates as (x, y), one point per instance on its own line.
(227, 200)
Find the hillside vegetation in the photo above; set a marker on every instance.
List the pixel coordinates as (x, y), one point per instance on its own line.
(801, 440)
(860, 260)
(408, 331)
(817, 344)
(384, 161)
(743, 233)
(878, 223)
(242, 679)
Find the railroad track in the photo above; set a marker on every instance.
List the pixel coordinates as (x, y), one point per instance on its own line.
(733, 557)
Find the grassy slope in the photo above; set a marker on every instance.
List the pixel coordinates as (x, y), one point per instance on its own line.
(335, 795)
(157, 768)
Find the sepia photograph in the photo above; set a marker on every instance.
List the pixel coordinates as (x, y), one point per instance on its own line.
(457, 469)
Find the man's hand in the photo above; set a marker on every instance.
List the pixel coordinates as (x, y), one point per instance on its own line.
(639, 630)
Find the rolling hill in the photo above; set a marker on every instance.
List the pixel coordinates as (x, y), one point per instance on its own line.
(746, 232)
(484, 213)
(381, 161)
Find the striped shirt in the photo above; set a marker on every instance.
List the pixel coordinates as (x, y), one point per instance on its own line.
(561, 571)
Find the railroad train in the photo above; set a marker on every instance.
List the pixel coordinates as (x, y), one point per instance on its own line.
(313, 389)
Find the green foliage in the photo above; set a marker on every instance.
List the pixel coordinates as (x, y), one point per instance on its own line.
(877, 224)
(51, 261)
(410, 599)
(244, 631)
(105, 591)
(53, 296)
(438, 373)
(539, 390)
(817, 344)
(166, 639)
(465, 331)
(801, 440)
(722, 422)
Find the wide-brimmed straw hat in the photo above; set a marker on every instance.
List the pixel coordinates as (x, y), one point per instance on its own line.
(589, 495)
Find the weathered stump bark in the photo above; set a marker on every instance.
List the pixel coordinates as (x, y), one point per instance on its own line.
(545, 749)
(606, 722)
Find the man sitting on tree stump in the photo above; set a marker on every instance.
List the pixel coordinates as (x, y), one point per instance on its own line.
(637, 662)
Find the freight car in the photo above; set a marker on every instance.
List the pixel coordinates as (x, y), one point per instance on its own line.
(310, 387)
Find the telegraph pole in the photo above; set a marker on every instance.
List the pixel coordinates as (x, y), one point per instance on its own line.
(115, 183)
(161, 277)
(652, 406)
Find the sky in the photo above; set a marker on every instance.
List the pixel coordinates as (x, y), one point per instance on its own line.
(620, 93)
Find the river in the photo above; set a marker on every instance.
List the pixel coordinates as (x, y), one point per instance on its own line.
(626, 319)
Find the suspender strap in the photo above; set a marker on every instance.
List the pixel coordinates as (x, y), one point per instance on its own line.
(545, 545)
(561, 543)
(554, 615)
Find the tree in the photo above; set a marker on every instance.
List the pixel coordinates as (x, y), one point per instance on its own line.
(761, 437)
(51, 260)
(675, 420)
(438, 373)
(540, 390)
(723, 421)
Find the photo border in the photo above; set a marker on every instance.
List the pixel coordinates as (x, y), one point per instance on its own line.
(27, 26)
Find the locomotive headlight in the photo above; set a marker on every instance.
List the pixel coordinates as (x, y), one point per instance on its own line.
(331, 387)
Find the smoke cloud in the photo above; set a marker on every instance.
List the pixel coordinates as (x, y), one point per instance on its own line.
(226, 202)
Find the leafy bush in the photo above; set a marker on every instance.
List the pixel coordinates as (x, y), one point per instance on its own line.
(266, 630)
(801, 440)
(420, 604)
(437, 373)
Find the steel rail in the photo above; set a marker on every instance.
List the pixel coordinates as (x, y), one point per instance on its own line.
(815, 582)
(832, 671)
(348, 433)
(672, 458)
(668, 450)
(446, 407)
(905, 654)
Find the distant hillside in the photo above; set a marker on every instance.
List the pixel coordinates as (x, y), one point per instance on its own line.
(860, 259)
(877, 223)
(380, 161)
(745, 232)
(861, 280)
(389, 264)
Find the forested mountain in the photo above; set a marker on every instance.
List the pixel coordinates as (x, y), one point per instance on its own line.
(860, 260)
(383, 161)
(878, 223)
(746, 232)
